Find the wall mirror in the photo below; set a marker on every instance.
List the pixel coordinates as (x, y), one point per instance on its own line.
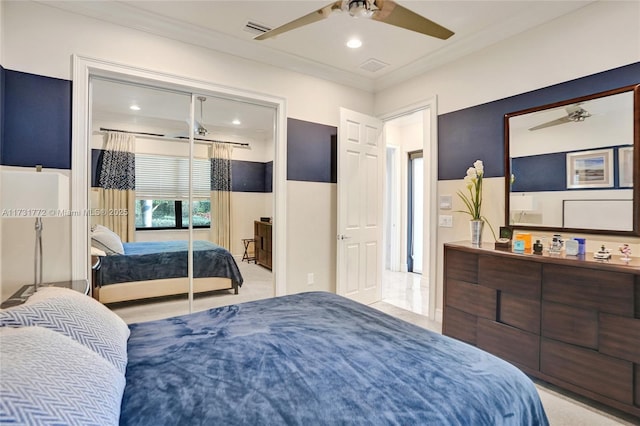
(571, 166)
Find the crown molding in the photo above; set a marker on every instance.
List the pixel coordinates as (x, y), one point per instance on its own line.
(131, 17)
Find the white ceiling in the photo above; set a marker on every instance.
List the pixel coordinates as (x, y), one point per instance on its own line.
(319, 49)
(168, 112)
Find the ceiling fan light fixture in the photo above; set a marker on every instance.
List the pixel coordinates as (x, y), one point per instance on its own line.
(579, 115)
(200, 129)
(360, 9)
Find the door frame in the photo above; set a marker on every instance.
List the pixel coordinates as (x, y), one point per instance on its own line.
(392, 211)
(86, 67)
(410, 203)
(430, 152)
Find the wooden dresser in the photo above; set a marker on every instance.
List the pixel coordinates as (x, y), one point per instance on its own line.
(571, 322)
(262, 237)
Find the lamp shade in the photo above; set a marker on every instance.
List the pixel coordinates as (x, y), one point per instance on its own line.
(33, 194)
(522, 203)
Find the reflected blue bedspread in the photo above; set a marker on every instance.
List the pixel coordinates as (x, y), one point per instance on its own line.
(154, 260)
(315, 359)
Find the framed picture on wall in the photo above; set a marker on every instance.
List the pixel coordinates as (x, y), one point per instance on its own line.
(625, 167)
(590, 169)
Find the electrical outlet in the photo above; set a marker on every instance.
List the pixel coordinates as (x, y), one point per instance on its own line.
(445, 221)
(310, 278)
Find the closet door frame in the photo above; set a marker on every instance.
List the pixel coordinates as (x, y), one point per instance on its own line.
(83, 69)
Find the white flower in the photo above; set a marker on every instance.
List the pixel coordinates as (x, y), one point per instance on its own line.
(479, 166)
(468, 181)
(471, 173)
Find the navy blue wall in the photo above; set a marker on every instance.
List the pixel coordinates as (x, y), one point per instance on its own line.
(36, 121)
(478, 132)
(548, 172)
(311, 151)
(36, 127)
(250, 176)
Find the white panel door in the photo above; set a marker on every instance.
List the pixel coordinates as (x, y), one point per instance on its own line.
(360, 197)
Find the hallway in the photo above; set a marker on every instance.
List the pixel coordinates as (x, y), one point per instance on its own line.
(404, 290)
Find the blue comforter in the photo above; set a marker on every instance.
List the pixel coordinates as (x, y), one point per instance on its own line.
(154, 260)
(315, 359)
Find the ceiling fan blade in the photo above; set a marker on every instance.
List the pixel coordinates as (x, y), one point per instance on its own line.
(562, 120)
(310, 18)
(392, 13)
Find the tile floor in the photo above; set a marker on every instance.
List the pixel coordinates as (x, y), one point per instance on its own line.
(404, 297)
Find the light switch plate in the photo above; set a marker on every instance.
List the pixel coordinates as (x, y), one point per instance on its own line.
(445, 202)
(445, 221)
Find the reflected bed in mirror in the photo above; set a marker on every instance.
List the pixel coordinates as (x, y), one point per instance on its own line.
(570, 166)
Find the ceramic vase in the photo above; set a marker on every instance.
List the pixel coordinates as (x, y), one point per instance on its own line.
(475, 227)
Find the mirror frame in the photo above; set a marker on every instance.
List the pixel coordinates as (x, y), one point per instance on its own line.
(636, 162)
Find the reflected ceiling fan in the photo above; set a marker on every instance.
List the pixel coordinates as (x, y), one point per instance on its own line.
(386, 11)
(198, 126)
(575, 113)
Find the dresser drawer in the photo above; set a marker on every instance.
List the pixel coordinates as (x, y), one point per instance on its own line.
(509, 343)
(620, 337)
(570, 325)
(461, 265)
(602, 374)
(471, 298)
(515, 276)
(520, 312)
(460, 325)
(586, 288)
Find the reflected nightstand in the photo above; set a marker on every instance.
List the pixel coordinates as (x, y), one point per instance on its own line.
(25, 291)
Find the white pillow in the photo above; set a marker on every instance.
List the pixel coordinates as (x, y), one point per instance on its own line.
(106, 240)
(76, 315)
(47, 378)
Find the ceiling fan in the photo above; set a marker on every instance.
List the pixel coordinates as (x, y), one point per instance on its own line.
(386, 11)
(198, 127)
(575, 113)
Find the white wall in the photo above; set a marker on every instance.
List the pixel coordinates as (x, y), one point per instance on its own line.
(42, 39)
(609, 37)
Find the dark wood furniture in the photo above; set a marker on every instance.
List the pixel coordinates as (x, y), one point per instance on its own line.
(20, 296)
(262, 237)
(573, 322)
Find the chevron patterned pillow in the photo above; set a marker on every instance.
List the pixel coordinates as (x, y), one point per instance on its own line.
(47, 378)
(80, 317)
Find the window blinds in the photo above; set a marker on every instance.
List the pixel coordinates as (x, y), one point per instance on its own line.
(164, 177)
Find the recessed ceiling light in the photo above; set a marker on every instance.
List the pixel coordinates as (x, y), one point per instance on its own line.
(236, 122)
(134, 107)
(354, 43)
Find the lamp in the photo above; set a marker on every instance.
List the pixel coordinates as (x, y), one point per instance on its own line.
(29, 194)
(522, 203)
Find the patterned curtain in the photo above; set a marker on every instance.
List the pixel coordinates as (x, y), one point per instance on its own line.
(117, 184)
(220, 155)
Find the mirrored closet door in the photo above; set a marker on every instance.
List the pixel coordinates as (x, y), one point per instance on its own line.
(178, 180)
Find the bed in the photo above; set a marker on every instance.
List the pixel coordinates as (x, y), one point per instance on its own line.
(310, 358)
(159, 268)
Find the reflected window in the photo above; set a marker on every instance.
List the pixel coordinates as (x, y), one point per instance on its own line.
(171, 214)
(162, 184)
